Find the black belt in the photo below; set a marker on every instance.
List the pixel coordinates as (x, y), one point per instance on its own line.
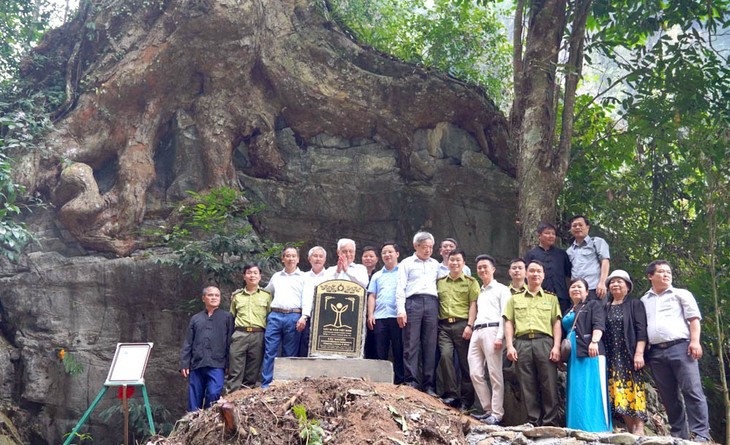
(533, 336)
(422, 295)
(286, 311)
(485, 325)
(668, 344)
(451, 320)
(249, 329)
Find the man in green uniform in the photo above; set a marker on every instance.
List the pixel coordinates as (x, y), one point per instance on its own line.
(532, 333)
(249, 306)
(457, 293)
(517, 274)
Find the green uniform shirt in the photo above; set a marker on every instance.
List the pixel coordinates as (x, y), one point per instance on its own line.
(455, 296)
(250, 310)
(532, 314)
(514, 290)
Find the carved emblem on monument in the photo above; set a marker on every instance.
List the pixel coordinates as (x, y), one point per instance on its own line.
(338, 319)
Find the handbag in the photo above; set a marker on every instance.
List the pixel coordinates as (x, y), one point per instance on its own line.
(565, 346)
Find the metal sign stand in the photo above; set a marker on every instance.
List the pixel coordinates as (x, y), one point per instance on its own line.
(128, 367)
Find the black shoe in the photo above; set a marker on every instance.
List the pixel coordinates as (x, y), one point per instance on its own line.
(431, 392)
(697, 438)
(448, 401)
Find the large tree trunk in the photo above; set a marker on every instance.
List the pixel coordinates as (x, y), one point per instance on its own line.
(235, 72)
(542, 163)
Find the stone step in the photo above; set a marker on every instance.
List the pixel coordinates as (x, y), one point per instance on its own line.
(297, 368)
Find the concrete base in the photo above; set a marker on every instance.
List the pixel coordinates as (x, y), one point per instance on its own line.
(297, 368)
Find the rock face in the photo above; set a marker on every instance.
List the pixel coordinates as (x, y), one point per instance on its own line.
(271, 97)
(333, 138)
(85, 305)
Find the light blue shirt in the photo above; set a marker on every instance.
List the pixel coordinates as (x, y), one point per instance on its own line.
(383, 284)
(586, 259)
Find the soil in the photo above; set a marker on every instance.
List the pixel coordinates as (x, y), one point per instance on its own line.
(349, 411)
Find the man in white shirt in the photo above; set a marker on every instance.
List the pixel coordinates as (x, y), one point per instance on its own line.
(487, 337)
(317, 258)
(289, 312)
(673, 326)
(346, 269)
(418, 311)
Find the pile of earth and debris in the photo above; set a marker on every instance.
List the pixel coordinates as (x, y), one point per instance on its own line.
(324, 410)
(354, 411)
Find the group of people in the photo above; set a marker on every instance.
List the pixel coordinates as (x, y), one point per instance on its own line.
(448, 333)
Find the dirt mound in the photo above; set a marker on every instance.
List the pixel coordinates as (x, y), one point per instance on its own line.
(341, 411)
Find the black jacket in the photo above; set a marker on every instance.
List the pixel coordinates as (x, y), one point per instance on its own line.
(634, 323)
(208, 340)
(590, 315)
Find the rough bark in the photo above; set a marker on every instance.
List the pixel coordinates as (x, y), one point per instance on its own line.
(236, 72)
(538, 175)
(542, 163)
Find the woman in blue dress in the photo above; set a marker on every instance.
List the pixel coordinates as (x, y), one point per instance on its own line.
(587, 406)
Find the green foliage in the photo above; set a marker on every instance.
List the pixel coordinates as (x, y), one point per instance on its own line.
(138, 424)
(81, 437)
(214, 237)
(653, 168)
(22, 121)
(22, 23)
(465, 41)
(310, 431)
(71, 365)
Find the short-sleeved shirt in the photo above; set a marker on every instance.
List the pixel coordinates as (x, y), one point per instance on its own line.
(667, 314)
(557, 269)
(250, 309)
(586, 258)
(383, 284)
(456, 295)
(444, 270)
(533, 314)
(492, 300)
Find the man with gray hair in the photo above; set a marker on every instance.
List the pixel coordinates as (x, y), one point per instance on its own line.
(317, 257)
(346, 269)
(418, 311)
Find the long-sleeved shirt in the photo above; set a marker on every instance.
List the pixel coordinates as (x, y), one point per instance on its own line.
(557, 269)
(355, 272)
(207, 340)
(415, 276)
(288, 290)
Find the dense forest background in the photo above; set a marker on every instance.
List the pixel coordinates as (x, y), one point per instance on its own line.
(619, 110)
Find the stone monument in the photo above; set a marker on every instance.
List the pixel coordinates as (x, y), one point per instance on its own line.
(337, 338)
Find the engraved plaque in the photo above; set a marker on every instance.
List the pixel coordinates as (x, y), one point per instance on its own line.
(338, 320)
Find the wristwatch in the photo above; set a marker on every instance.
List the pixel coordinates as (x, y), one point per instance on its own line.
(593, 340)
